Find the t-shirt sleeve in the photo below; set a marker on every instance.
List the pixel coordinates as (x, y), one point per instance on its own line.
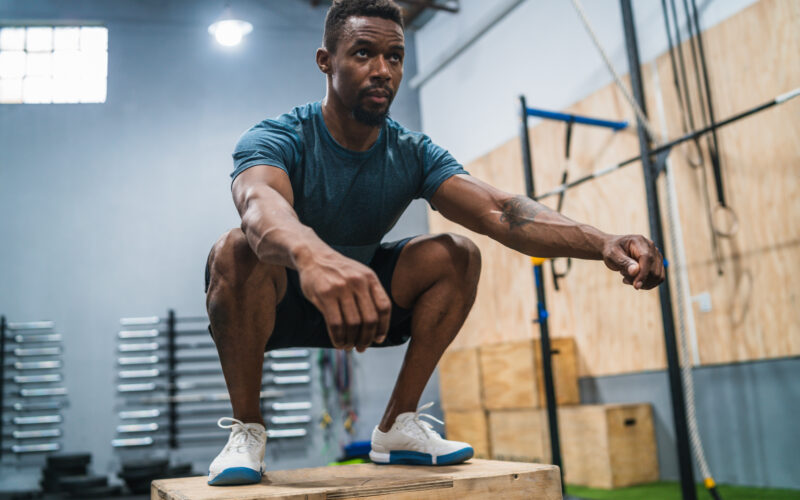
(438, 166)
(269, 143)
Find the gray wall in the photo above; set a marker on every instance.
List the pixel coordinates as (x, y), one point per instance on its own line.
(746, 414)
(109, 210)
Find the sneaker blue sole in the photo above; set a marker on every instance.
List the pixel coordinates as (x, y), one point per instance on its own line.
(399, 457)
(236, 475)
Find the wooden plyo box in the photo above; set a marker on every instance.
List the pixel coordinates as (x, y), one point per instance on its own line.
(511, 374)
(519, 435)
(471, 427)
(473, 480)
(602, 446)
(608, 446)
(459, 380)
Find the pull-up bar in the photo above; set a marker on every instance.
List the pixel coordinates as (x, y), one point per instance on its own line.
(570, 118)
(669, 145)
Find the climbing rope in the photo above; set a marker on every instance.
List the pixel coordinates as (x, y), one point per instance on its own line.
(686, 325)
(617, 79)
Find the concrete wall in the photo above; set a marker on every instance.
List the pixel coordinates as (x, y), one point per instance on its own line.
(109, 210)
(745, 415)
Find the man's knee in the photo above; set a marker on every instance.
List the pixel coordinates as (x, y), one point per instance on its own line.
(462, 256)
(233, 267)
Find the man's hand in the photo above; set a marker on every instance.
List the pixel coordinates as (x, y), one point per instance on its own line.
(636, 258)
(350, 297)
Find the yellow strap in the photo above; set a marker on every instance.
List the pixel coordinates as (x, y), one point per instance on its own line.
(537, 261)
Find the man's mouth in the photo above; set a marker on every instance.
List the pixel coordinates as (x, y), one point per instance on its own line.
(378, 96)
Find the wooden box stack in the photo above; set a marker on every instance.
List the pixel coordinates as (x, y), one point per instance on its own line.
(475, 382)
(493, 398)
(459, 372)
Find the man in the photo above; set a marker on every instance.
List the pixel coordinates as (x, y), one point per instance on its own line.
(317, 189)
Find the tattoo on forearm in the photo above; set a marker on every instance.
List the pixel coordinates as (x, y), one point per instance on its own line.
(520, 210)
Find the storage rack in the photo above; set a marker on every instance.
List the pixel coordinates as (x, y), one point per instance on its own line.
(171, 390)
(32, 393)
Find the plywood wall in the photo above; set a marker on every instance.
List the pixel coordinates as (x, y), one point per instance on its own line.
(752, 57)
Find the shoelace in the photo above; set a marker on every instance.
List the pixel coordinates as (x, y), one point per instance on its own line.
(243, 436)
(427, 428)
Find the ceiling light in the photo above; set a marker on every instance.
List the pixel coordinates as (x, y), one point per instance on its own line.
(229, 31)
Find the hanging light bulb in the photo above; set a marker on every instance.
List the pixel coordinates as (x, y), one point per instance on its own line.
(229, 31)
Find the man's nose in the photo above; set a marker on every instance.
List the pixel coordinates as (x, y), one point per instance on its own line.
(380, 68)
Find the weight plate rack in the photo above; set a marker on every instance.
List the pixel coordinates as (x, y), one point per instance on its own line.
(171, 390)
(32, 391)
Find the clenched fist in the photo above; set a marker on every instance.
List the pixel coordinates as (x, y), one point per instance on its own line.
(636, 258)
(350, 297)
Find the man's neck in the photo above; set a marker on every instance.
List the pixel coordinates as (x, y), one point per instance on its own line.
(345, 129)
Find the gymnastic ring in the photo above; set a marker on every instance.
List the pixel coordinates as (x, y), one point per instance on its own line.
(724, 214)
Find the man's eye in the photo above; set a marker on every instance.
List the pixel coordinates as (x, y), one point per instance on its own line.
(396, 57)
(362, 52)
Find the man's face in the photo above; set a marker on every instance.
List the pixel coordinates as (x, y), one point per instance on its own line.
(367, 67)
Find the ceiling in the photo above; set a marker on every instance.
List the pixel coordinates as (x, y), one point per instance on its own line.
(415, 12)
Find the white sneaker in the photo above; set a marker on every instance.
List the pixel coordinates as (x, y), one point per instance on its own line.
(242, 459)
(412, 441)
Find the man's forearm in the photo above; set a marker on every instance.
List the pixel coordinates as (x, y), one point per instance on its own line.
(275, 233)
(532, 228)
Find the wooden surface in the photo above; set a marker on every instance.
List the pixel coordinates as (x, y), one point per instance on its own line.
(631, 445)
(519, 435)
(608, 446)
(752, 57)
(565, 371)
(459, 380)
(474, 480)
(511, 374)
(471, 427)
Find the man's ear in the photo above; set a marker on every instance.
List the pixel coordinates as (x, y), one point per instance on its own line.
(324, 60)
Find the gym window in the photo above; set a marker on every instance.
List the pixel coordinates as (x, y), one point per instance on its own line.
(53, 64)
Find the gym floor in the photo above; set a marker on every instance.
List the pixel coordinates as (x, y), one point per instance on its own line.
(671, 491)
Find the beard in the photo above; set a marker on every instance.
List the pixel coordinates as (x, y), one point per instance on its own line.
(372, 118)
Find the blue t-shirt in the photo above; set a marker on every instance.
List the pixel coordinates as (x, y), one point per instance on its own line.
(351, 199)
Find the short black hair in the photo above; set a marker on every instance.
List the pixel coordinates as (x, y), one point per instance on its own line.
(342, 10)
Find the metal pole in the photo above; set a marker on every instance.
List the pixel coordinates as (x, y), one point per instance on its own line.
(171, 380)
(547, 368)
(656, 233)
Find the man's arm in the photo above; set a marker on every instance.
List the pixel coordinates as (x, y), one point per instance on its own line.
(527, 226)
(348, 293)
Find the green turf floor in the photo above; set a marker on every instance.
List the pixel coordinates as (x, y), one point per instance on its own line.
(671, 491)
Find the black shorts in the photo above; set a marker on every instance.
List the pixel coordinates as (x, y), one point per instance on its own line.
(298, 323)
